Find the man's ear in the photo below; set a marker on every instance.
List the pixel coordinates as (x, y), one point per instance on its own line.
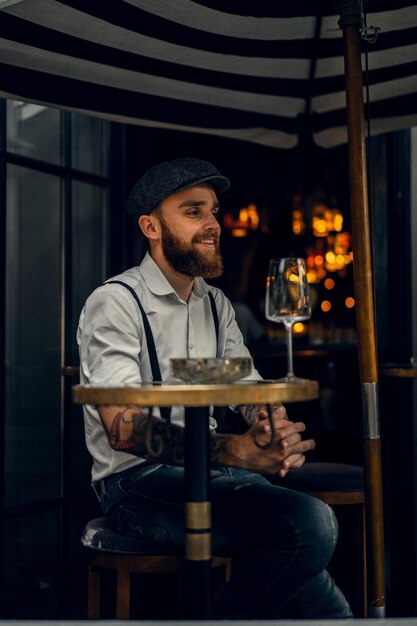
(149, 227)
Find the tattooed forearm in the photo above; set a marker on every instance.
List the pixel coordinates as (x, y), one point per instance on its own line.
(218, 449)
(143, 435)
(251, 413)
(252, 410)
(130, 423)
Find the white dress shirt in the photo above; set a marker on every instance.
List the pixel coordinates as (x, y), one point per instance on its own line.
(113, 350)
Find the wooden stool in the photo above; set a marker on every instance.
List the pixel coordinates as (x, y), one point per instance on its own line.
(124, 556)
(336, 484)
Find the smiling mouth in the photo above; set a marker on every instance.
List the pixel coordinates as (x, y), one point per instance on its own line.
(211, 243)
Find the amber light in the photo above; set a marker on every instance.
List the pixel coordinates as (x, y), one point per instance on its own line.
(298, 223)
(239, 232)
(248, 220)
(329, 283)
(299, 328)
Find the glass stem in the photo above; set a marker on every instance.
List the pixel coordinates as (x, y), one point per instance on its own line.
(290, 370)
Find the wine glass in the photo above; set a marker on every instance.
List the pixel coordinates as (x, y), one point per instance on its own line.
(287, 300)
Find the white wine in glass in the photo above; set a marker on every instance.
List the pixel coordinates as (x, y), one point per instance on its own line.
(287, 300)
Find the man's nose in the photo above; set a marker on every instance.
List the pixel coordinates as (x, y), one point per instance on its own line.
(211, 222)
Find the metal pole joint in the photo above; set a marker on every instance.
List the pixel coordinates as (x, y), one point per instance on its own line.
(370, 410)
(350, 13)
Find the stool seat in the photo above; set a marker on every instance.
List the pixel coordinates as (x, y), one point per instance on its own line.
(124, 556)
(324, 476)
(98, 535)
(334, 483)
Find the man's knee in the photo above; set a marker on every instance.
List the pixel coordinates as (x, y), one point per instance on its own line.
(321, 527)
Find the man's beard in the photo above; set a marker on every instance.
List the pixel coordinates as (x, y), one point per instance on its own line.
(184, 258)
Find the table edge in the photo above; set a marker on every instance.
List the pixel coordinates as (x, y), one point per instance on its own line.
(196, 395)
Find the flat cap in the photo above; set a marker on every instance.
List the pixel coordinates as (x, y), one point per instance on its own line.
(160, 181)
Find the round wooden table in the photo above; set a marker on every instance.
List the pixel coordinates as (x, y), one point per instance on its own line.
(196, 399)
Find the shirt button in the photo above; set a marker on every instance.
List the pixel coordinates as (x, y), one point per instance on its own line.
(191, 346)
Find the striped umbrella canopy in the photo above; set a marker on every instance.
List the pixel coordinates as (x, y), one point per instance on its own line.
(256, 71)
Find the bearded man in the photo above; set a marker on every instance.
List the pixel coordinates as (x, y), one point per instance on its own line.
(280, 540)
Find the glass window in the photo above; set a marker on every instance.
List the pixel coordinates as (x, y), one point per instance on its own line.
(33, 339)
(33, 131)
(88, 144)
(89, 247)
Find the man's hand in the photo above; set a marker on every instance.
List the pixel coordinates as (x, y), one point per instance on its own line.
(286, 436)
(251, 450)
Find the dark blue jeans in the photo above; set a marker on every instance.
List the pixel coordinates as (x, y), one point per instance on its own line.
(281, 540)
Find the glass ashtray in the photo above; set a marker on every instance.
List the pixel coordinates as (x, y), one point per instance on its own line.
(211, 370)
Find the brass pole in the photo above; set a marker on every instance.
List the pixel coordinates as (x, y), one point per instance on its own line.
(350, 22)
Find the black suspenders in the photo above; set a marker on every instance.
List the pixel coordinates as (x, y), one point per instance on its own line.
(215, 319)
(156, 372)
(153, 357)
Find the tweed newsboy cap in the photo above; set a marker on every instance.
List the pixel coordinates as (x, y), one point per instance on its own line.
(162, 180)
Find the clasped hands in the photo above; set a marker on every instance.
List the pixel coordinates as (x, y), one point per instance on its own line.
(276, 442)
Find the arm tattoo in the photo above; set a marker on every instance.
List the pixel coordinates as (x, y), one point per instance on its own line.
(149, 437)
(252, 410)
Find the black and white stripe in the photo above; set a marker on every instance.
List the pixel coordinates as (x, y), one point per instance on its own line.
(249, 70)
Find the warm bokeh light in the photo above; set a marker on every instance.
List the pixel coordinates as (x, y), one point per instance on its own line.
(325, 220)
(327, 250)
(319, 227)
(249, 217)
(342, 242)
(298, 223)
(299, 328)
(239, 232)
(338, 221)
(248, 220)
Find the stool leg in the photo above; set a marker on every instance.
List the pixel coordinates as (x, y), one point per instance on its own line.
(93, 606)
(123, 593)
